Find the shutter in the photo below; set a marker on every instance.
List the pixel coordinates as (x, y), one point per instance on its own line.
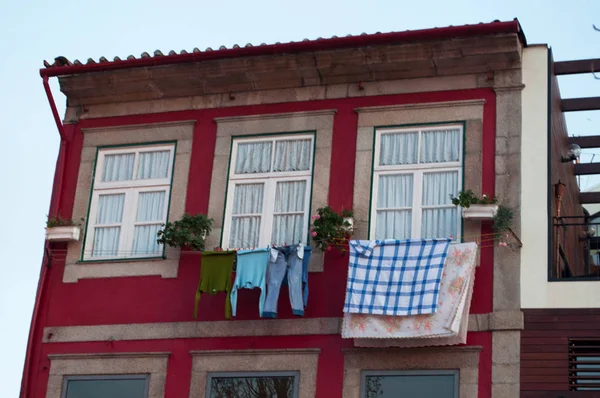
(584, 365)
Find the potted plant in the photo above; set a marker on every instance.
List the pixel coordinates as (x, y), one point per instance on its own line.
(59, 229)
(189, 232)
(331, 229)
(476, 208)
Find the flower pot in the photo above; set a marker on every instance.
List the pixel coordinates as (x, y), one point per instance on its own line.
(63, 234)
(480, 212)
(350, 221)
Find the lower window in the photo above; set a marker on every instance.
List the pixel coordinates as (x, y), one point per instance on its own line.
(422, 384)
(126, 386)
(252, 385)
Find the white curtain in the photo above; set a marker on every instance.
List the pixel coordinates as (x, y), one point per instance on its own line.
(398, 148)
(150, 208)
(292, 155)
(395, 191)
(439, 222)
(110, 211)
(440, 146)
(153, 165)
(245, 223)
(118, 167)
(253, 157)
(289, 198)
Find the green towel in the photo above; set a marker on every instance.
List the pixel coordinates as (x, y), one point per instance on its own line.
(215, 276)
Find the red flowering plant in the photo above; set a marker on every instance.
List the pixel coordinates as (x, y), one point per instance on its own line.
(331, 229)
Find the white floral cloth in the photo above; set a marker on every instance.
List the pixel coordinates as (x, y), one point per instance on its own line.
(447, 326)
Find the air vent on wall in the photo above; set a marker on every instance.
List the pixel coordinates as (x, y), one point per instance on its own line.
(584, 364)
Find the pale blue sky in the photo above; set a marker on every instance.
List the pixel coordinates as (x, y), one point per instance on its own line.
(31, 31)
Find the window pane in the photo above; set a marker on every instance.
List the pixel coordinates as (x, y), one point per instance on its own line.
(437, 187)
(113, 388)
(118, 167)
(253, 157)
(153, 165)
(398, 148)
(144, 240)
(151, 206)
(289, 197)
(248, 199)
(393, 224)
(292, 155)
(106, 241)
(439, 223)
(440, 146)
(110, 209)
(245, 231)
(252, 387)
(422, 386)
(395, 191)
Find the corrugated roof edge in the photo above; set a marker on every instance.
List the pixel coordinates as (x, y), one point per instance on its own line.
(63, 66)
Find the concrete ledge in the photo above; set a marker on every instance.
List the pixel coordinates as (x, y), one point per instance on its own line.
(186, 330)
(256, 352)
(422, 105)
(275, 116)
(262, 327)
(110, 355)
(498, 320)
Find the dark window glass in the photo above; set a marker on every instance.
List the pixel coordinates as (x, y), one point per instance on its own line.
(106, 387)
(410, 385)
(253, 386)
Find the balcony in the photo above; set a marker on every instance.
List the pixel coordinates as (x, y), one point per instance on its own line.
(576, 248)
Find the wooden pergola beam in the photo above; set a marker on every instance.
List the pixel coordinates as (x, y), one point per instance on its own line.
(577, 66)
(589, 197)
(587, 168)
(590, 141)
(580, 104)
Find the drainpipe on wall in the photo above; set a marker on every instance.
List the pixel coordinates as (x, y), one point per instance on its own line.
(54, 208)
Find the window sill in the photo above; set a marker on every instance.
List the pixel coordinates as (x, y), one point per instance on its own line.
(122, 260)
(165, 266)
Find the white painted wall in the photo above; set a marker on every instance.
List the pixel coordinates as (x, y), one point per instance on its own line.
(536, 291)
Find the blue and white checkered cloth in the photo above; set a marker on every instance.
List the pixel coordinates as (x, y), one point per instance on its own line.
(395, 277)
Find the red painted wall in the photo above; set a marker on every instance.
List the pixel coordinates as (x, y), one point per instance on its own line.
(153, 299)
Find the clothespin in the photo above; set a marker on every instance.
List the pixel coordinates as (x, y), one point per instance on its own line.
(477, 242)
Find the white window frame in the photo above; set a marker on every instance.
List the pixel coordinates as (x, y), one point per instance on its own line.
(270, 181)
(131, 189)
(418, 170)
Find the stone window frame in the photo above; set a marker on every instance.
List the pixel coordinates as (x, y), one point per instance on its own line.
(67, 379)
(133, 185)
(303, 361)
(295, 374)
(181, 133)
(320, 122)
(469, 112)
(436, 372)
(414, 169)
(269, 181)
(153, 364)
(465, 359)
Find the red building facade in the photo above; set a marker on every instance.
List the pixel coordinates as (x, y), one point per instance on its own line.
(134, 316)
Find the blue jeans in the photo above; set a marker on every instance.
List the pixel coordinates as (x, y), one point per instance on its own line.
(284, 260)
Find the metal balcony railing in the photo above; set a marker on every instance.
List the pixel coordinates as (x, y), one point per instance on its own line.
(576, 248)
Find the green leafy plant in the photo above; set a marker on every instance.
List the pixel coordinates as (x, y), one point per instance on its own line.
(189, 232)
(502, 221)
(330, 229)
(467, 198)
(58, 221)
